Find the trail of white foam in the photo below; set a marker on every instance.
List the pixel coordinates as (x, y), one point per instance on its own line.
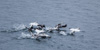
(23, 35)
(19, 26)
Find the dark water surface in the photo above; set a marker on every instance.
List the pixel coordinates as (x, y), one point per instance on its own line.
(76, 13)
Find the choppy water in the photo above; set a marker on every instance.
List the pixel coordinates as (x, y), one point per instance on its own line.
(76, 13)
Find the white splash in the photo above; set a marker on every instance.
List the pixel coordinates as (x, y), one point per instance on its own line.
(23, 35)
(48, 28)
(32, 36)
(63, 33)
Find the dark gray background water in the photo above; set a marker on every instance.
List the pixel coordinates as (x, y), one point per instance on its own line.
(76, 13)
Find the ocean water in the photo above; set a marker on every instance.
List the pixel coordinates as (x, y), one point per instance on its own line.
(16, 14)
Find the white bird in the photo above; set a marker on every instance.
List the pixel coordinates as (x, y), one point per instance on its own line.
(39, 31)
(34, 24)
(73, 30)
(43, 35)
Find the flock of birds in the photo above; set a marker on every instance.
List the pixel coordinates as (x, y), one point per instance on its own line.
(37, 30)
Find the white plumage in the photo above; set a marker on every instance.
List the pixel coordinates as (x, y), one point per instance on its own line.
(39, 31)
(34, 23)
(73, 30)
